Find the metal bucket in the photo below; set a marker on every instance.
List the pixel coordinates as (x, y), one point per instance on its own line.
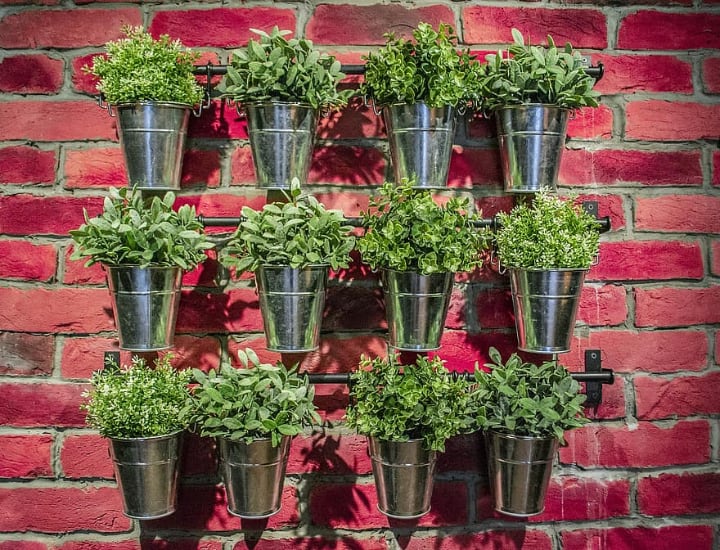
(152, 137)
(403, 473)
(146, 470)
(519, 469)
(254, 475)
(292, 303)
(416, 307)
(546, 304)
(282, 136)
(531, 140)
(145, 305)
(421, 140)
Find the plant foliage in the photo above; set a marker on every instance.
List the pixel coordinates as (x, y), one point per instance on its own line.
(254, 402)
(274, 68)
(406, 230)
(131, 232)
(137, 400)
(140, 68)
(527, 399)
(551, 233)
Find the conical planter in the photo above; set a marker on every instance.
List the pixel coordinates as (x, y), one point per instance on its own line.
(152, 137)
(146, 470)
(404, 475)
(420, 140)
(282, 137)
(546, 304)
(416, 307)
(519, 470)
(291, 303)
(531, 139)
(145, 303)
(254, 475)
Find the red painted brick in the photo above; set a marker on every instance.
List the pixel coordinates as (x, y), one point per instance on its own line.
(525, 538)
(676, 307)
(24, 354)
(642, 446)
(602, 305)
(26, 456)
(355, 121)
(494, 308)
(210, 204)
(591, 123)
(679, 495)
(648, 260)
(626, 74)
(155, 543)
(347, 165)
(85, 456)
(574, 499)
(102, 167)
(30, 215)
(469, 167)
(205, 274)
(680, 213)
(31, 74)
(661, 120)
(38, 405)
(711, 75)
(24, 164)
(348, 542)
(656, 30)
(201, 167)
(199, 455)
(343, 304)
(220, 121)
(105, 545)
(21, 544)
(351, 204)
(233, 310)
(715, 255)
(614, 404)
(610, 206)
(681, 396)
(329, 454)
(697, 537)
(75, 272)
(54, 121)
(462, 453)
(27, 261)
(461, 350)
(242, 169)
(195, 352)
(81, 81)
(716, 168)
(370, 23)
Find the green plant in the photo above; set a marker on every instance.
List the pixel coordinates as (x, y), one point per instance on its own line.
(140, 68)
(254, 402)
(131, 232)
(535, 74)
(429, 69)
(398, 403)
(407, 230)
(137, 400)
(274, 68)
(551, 233)
(526, 399)
(298, 233)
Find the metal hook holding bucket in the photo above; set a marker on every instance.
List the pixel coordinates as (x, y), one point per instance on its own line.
(104, 105)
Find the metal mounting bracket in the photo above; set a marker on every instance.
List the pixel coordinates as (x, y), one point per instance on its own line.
(593, 389)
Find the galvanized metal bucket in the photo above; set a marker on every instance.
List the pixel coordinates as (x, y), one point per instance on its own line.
(152, 137)
(292, 303)
(520, 468)
(421, 140)
(404, 474)
(546, 304)
(145, 304)
(282, 136)
(416, 307)
(254, 475)
(531, 140)
(146, 470)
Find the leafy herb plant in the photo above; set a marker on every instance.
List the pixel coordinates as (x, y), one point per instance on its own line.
(527, 399)
(254, 402)
(393, 402)
(406, 230)
(551, 233)
(274, 68)
(137, 400)
(140, 68)
(131, 232)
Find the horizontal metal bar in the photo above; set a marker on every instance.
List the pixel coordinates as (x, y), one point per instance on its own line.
(605, 377)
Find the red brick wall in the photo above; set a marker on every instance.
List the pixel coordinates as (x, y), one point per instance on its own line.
(644, 475)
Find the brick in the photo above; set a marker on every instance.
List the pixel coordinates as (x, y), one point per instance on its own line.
(614, 406)
(348, 542)
(54, 121)
(351, 204)
(461, 350)
(591, 123)
(101, 167)
(211, 204)
(26, 261)
(627, 2)
(575, 499)
(342, 305)
(679, 495)
(715, 255)
(716, 168)
(526, 538)
(615, 166)
(662, 120)
(104, 545)
(469, 167)
(219, 121)
(676, 307)
(493, 308)
(656, 30)
(62, 510)
(39, 405)
(81, 81)
(75, 272)
(678, 213)
(200, 167)
(681, 396)
(31, 74)
(610, 206)
(24, 354)
(330, 455)
(642, 446)
(602, 305)
(697, 537)
(26, 456)
(347, 165)
(85, 456)
(711, 75)
(21, 544)
(627, 74)
(242, 169)
(355, 121)
(31, 215)
(196, 352)
(462, 453)
(199, 455)
(651, 260)
(23, 164)
(370, 23)
(234, 311)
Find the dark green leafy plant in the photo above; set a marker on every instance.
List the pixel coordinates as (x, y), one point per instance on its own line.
(407, 230)
(298, 233)
(274, 68)
(140, 68)
(132, 232)
(137, 400)
(550, 233)
(393, 402)
(535, 74)
(527, 399)
(254, 402)
(428, 68)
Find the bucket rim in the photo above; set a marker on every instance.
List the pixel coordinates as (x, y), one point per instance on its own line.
(528, 106)
(554, 269)
(273, 102)
(508, 435)
(152, 103)
(149, 438)
(151, 267)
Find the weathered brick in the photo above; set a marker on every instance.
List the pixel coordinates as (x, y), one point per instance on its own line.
(711, 75)
(101, 167)
(23, 354)
(211, 204)
(242, 169)
(659, 30)
(658, 260)
(348, 542)
(219, 121)
(234, 311)
(526, 538)
(39, 405)
(200, 167)
(83, 82)
(575, 498)
(681, 396)
(461, 350)
(662, 120)
(591, 123)
(54, 121)
(462, 453)
(27, 261)
(196, 352)
(31, 215)
(678, 213)
(676, 307)
(75, 272)
(347, 165)
(343, 303)
(357, 120)
(716, 168)
(715, 257)
(626, 74)
(469, 167)
(329, 454)
(31, 74)
(679, 495)
(494, 308)
(85, 456)
(698, 537)
(610, 206)
(602, 305)
(351, 204)
(105, 545)
(25, 164)
(26, 456)
(626, 2)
